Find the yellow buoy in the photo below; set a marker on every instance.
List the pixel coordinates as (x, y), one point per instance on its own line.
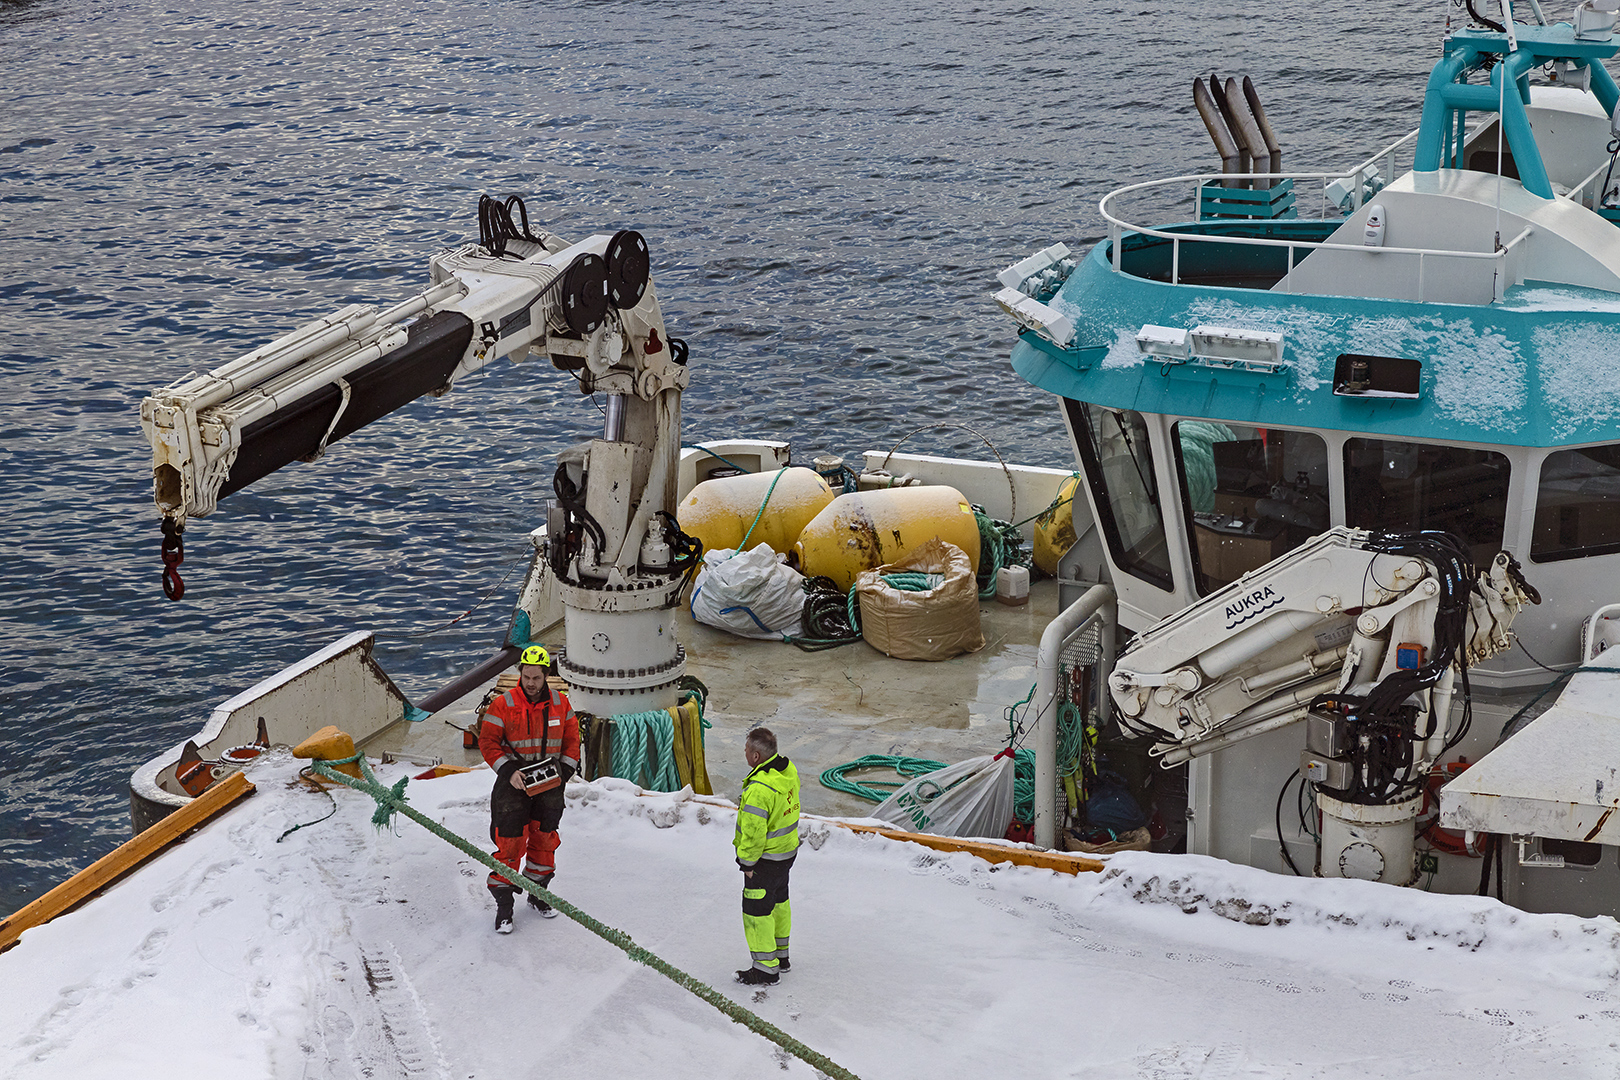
(864, 530)
(1054, 530)
(719, 512)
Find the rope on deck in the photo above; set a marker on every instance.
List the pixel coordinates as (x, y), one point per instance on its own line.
(392, 799)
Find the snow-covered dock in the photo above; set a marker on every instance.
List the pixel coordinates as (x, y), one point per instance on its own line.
(346, 952)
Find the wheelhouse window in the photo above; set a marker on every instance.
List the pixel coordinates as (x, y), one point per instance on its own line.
(1252, 494)
(1403, 487)
(1119, 467)
(1578, 504)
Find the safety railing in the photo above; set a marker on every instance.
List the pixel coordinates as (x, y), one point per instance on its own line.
(1081, 634)
(1358, 176)
(1118, 226)
(1578, 193)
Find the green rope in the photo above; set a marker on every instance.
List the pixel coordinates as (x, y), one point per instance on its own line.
(1074, 747)
(691, 686)
(717, 457)
(874, 790)
(771, 490)
(644, 749)
(303, 774)
(393, 799)
(1000, 544)
(829, 617)
(1057, 501)
(913, 581)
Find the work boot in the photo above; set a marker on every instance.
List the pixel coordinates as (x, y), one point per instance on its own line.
(538, 904)
(782, 962)
(503, 911)
(755, 977)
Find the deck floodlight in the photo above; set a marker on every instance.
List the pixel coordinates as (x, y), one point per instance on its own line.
(1019, 272)
(1036, 316)
(1257, 350)
(1167, 342)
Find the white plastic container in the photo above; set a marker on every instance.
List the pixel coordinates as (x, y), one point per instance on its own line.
(1012, 585)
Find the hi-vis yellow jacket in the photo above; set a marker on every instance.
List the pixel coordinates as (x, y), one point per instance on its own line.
(768, 813)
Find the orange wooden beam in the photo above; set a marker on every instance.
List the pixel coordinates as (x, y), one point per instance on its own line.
(1061, 861)
(125, 858)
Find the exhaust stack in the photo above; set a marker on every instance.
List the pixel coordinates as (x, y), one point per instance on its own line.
(1273, 147)
(1232, 157)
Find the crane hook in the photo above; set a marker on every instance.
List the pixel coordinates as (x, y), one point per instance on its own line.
(174, 553)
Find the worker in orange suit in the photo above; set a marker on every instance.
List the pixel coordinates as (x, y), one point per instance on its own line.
(523, 726)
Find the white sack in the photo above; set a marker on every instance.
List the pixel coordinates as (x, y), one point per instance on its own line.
(971, 798)
(753, 595)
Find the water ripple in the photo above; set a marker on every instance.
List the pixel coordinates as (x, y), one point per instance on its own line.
(829, 190)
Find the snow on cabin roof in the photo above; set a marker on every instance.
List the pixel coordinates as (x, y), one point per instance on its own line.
(1541, 368)
(343, 951)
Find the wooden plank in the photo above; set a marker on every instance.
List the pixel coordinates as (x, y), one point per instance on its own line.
(125, 858)
(1061, 861)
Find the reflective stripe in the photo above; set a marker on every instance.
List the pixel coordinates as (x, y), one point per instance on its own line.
(747, 862)
(771, 955)
(781, 944)
(571, 763)
(491, 718)
(755, 810)
(774, 833)
(779, 856)
(763, 966)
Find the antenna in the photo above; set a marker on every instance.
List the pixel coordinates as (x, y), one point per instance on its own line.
(1501, 118)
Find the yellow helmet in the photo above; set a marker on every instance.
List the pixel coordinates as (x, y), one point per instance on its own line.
(535, 654)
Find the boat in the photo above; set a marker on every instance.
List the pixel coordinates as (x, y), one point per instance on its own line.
(1381, 401)
(1305, 374)
(1423, 342)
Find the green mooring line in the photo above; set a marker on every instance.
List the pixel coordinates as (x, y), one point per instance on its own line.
(392, 799)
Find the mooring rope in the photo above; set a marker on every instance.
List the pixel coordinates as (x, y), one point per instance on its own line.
(392, 799)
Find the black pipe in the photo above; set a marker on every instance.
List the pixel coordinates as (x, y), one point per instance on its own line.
(471, 680)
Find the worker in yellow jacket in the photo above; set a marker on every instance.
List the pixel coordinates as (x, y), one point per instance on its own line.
(767, 841)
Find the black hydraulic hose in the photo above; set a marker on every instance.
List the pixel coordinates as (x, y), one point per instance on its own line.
(1489, 853)
(1482, 20)
(1282, 847)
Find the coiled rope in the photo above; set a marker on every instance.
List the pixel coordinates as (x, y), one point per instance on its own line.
(644, 744)
(392, 799)
(876, 791)
(830, 618)
(1074, 756)
(1000, 544)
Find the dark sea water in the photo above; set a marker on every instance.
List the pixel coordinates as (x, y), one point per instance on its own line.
(828, 190)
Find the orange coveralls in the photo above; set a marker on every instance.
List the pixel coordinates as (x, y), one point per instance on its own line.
(518, 732)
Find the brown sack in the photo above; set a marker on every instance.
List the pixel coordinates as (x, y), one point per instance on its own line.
(935, 624)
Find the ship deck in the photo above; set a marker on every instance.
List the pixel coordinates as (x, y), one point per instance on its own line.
(825, 707)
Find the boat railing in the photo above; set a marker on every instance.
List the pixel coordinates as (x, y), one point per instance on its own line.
(1358, 177)
(1118, 226)
(1578, 193)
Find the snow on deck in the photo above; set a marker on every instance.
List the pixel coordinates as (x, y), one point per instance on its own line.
(345, 952)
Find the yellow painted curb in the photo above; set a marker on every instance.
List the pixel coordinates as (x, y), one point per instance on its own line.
(1061, 861)
(125, 858)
